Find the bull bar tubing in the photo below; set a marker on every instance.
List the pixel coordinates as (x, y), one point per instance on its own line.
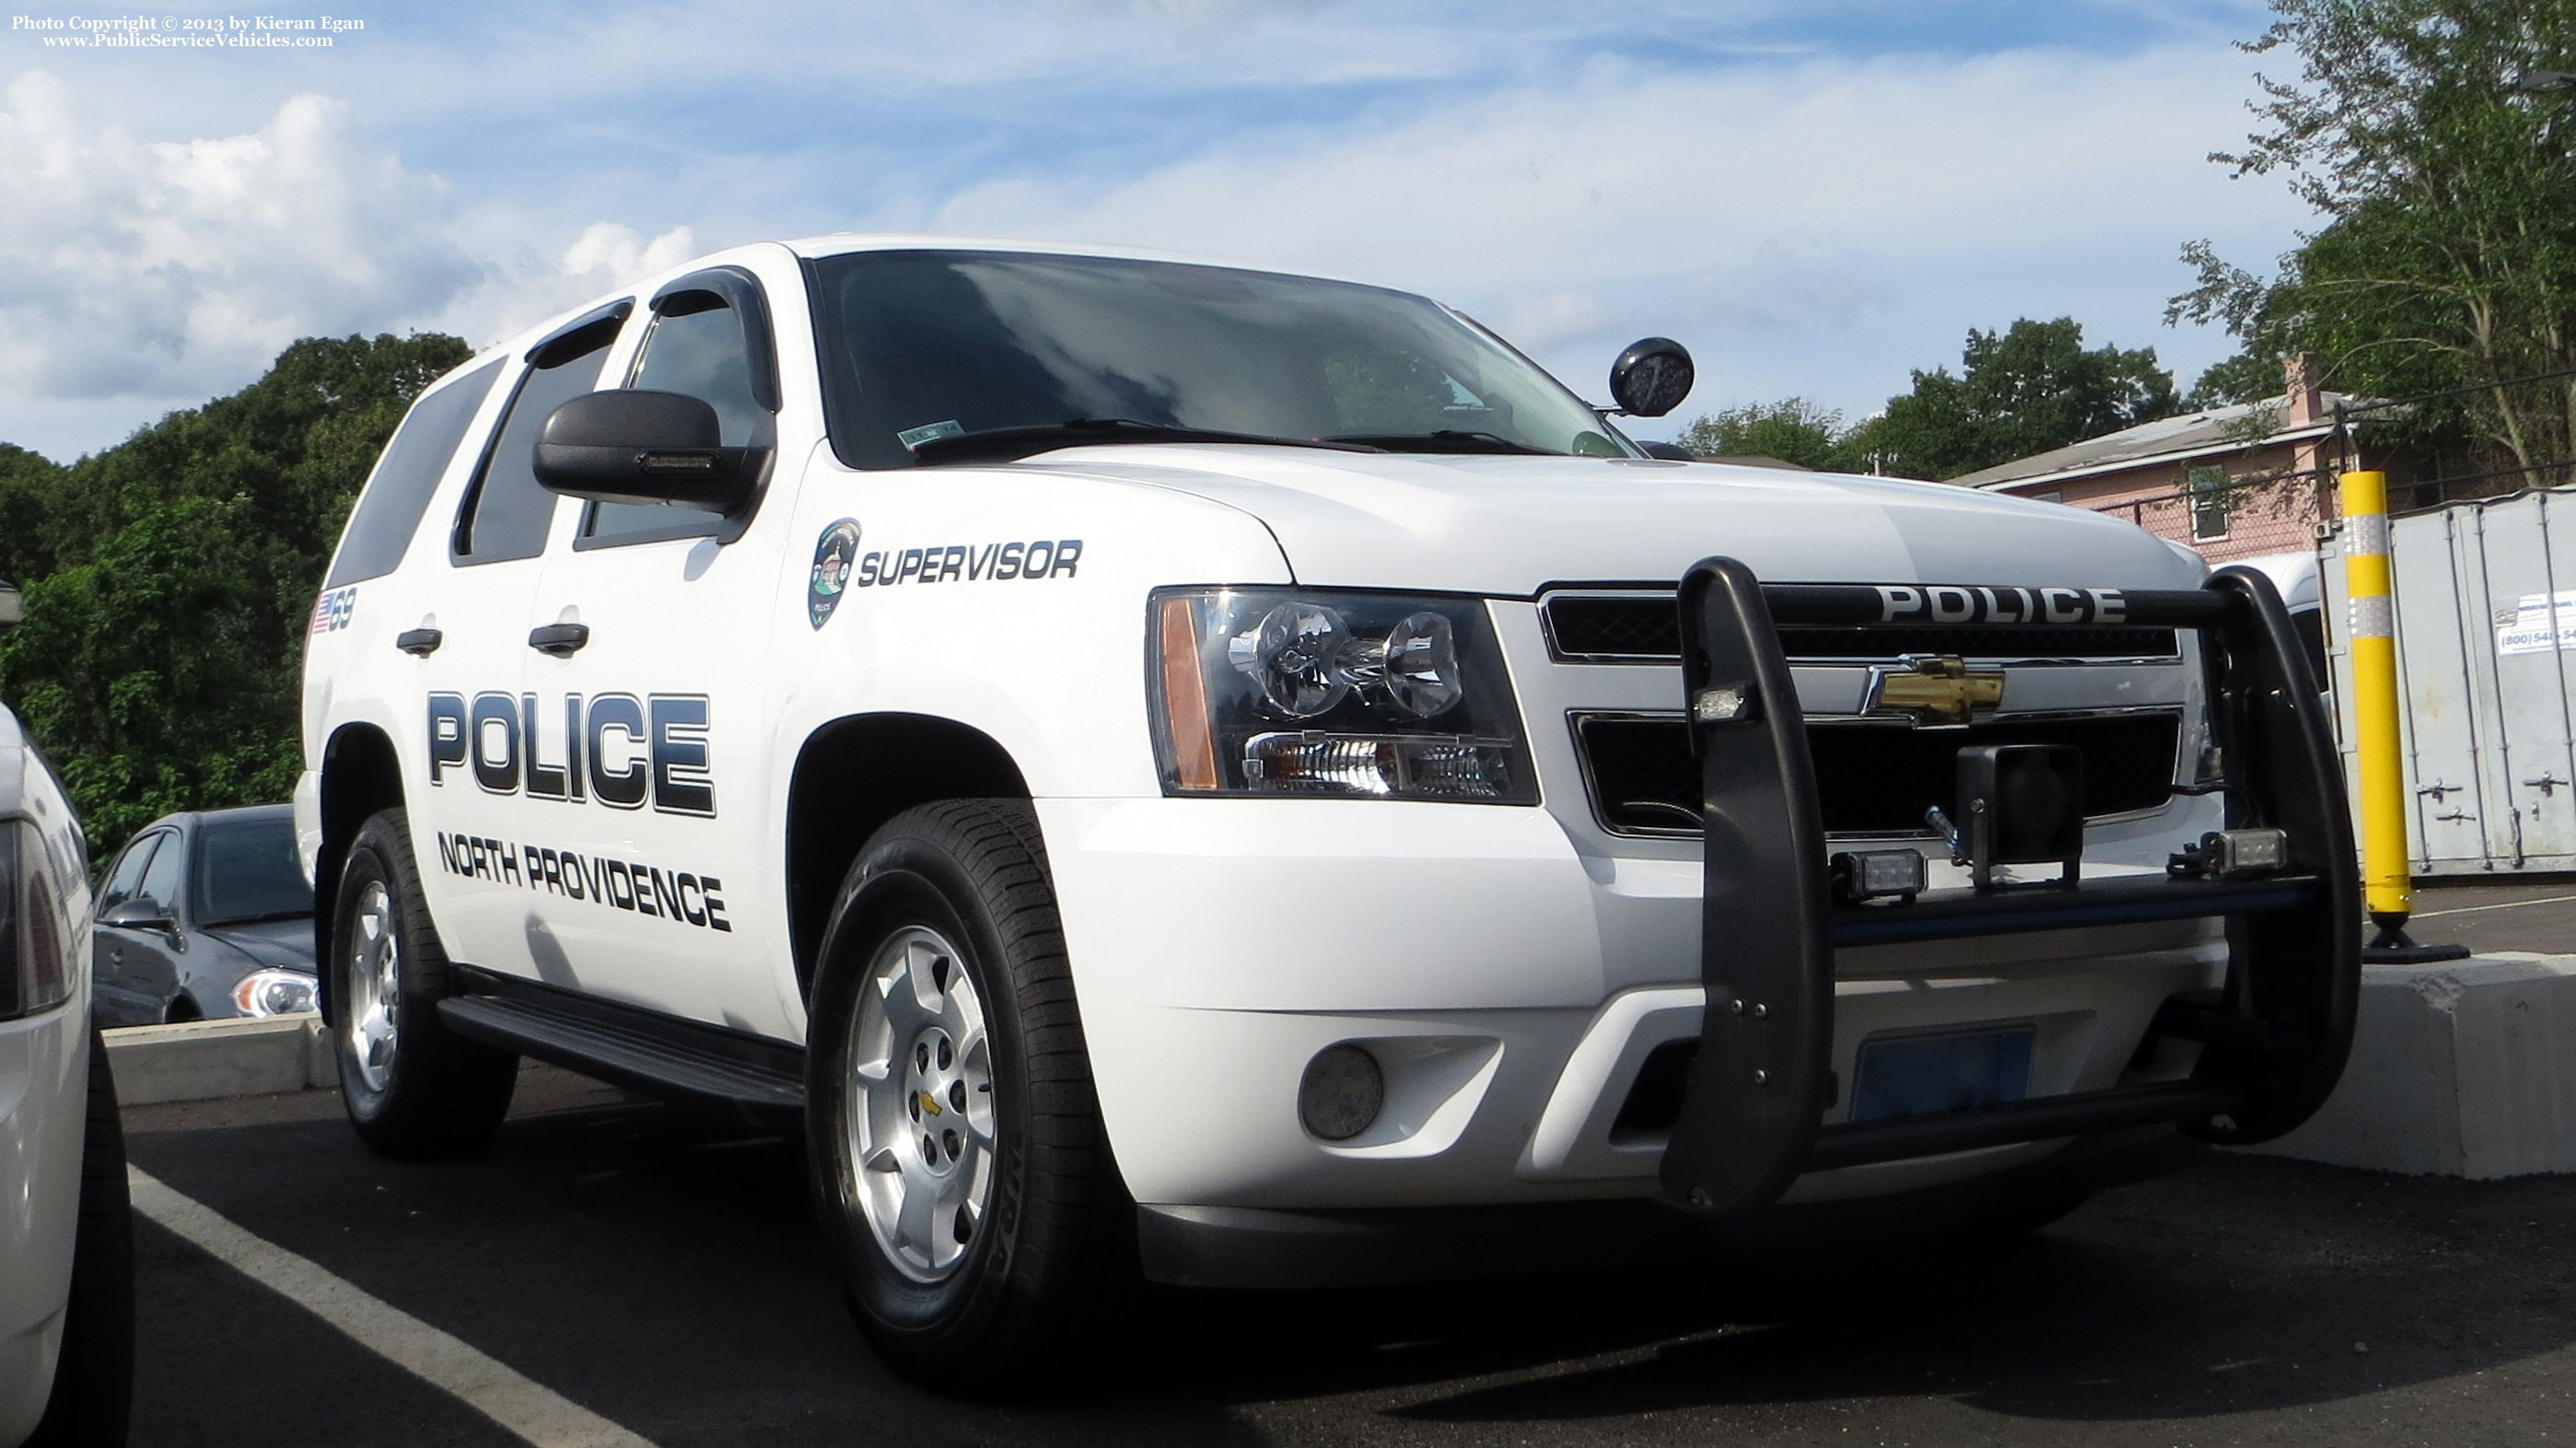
(2274, 1037)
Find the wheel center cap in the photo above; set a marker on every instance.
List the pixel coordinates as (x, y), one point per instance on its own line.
(935, 1100)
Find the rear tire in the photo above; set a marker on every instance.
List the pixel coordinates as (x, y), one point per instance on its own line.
(94, 1377)
(959, 1165)
(413, 1089)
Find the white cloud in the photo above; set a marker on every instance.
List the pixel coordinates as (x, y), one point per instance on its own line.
(139, 269)
(139, 276)
(1816, 225)
(1818, 228)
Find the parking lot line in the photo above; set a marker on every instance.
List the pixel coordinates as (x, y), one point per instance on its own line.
(525, 1407)
(2500, 905)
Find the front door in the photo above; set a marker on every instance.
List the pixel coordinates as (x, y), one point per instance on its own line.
(663, 845)
(137, 970)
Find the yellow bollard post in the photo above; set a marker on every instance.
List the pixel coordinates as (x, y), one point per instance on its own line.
(2387, 881)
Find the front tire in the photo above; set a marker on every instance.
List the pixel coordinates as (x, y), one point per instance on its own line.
(959, 1166)
(413, 1089)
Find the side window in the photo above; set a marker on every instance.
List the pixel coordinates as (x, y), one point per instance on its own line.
(398, 492)
(161, 878)
(702, 345)
(2209, 504)
(127, 876)
(506, 513)
(697, 347)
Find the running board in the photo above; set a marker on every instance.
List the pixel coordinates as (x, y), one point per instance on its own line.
(641, 1050)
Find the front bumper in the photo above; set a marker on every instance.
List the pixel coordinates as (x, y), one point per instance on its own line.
(1515, 985)
(1253, 1248)
(1513, 988)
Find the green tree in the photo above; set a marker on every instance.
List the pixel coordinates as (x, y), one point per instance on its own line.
(1794, 430)
(2433, 138)
(2025, 390)
(169, 579)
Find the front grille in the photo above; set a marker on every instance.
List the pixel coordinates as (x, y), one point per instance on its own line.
(1646, 628)
(1870, 778)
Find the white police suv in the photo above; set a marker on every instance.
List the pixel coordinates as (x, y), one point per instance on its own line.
(1242, 779)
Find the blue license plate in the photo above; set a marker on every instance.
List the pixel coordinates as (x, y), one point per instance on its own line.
(1950, 1071)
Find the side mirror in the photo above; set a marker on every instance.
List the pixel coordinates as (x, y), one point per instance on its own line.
(1652, 377)
(627, 446)
(138, 912)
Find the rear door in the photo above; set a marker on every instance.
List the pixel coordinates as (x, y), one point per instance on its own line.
(479, 793)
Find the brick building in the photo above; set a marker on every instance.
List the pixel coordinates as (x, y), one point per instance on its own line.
(2232, 482)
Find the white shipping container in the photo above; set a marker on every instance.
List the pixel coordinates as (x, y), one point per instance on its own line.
(2485, 602)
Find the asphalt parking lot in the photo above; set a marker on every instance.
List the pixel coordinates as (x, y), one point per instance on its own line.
(658, 1269)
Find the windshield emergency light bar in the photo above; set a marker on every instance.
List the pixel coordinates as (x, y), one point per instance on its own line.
(1775, 905)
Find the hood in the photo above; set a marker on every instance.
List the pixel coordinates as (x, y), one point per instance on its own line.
(1510, 525)
(270, 944)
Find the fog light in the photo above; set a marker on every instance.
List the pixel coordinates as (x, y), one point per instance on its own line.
(1342, 1093)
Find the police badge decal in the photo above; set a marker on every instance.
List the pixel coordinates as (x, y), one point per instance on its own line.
(833, 553)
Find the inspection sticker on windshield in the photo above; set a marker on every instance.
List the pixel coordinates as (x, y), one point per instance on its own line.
(912, 437)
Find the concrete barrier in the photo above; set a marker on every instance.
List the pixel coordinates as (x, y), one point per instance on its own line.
(200, 1060)
(2464, 1069)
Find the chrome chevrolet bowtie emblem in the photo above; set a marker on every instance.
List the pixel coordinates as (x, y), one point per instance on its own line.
(1941, 693)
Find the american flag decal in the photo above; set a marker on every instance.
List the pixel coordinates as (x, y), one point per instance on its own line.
(332, 610)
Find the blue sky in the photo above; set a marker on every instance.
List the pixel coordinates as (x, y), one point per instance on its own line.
(1815, 197)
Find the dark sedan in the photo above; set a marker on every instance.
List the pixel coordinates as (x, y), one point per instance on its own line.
(205, 916)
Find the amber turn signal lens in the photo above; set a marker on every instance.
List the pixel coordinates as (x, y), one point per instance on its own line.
(1185, 709)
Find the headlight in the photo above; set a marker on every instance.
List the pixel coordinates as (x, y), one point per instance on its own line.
(274, 993)
(35, 967)
(1323, 693)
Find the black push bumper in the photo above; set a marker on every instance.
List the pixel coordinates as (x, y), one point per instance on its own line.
(2274, 1038)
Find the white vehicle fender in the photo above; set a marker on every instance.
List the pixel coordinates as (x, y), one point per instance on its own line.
(1052, 668)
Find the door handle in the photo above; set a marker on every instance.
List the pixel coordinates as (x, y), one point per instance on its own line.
(419, 642)
(562, 640)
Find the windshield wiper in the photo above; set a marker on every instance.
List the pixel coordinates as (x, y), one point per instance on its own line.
(1446, 440)
(1002, 444)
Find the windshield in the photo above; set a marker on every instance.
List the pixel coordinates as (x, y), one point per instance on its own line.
(922, 346)
(247, 870)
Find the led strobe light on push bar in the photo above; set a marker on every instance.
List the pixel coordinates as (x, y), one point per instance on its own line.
(1879, 874)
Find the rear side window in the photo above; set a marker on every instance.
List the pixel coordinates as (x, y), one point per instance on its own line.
(389, 510)
(507, 513)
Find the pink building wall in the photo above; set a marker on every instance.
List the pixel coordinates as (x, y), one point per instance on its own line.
(2278, 516)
